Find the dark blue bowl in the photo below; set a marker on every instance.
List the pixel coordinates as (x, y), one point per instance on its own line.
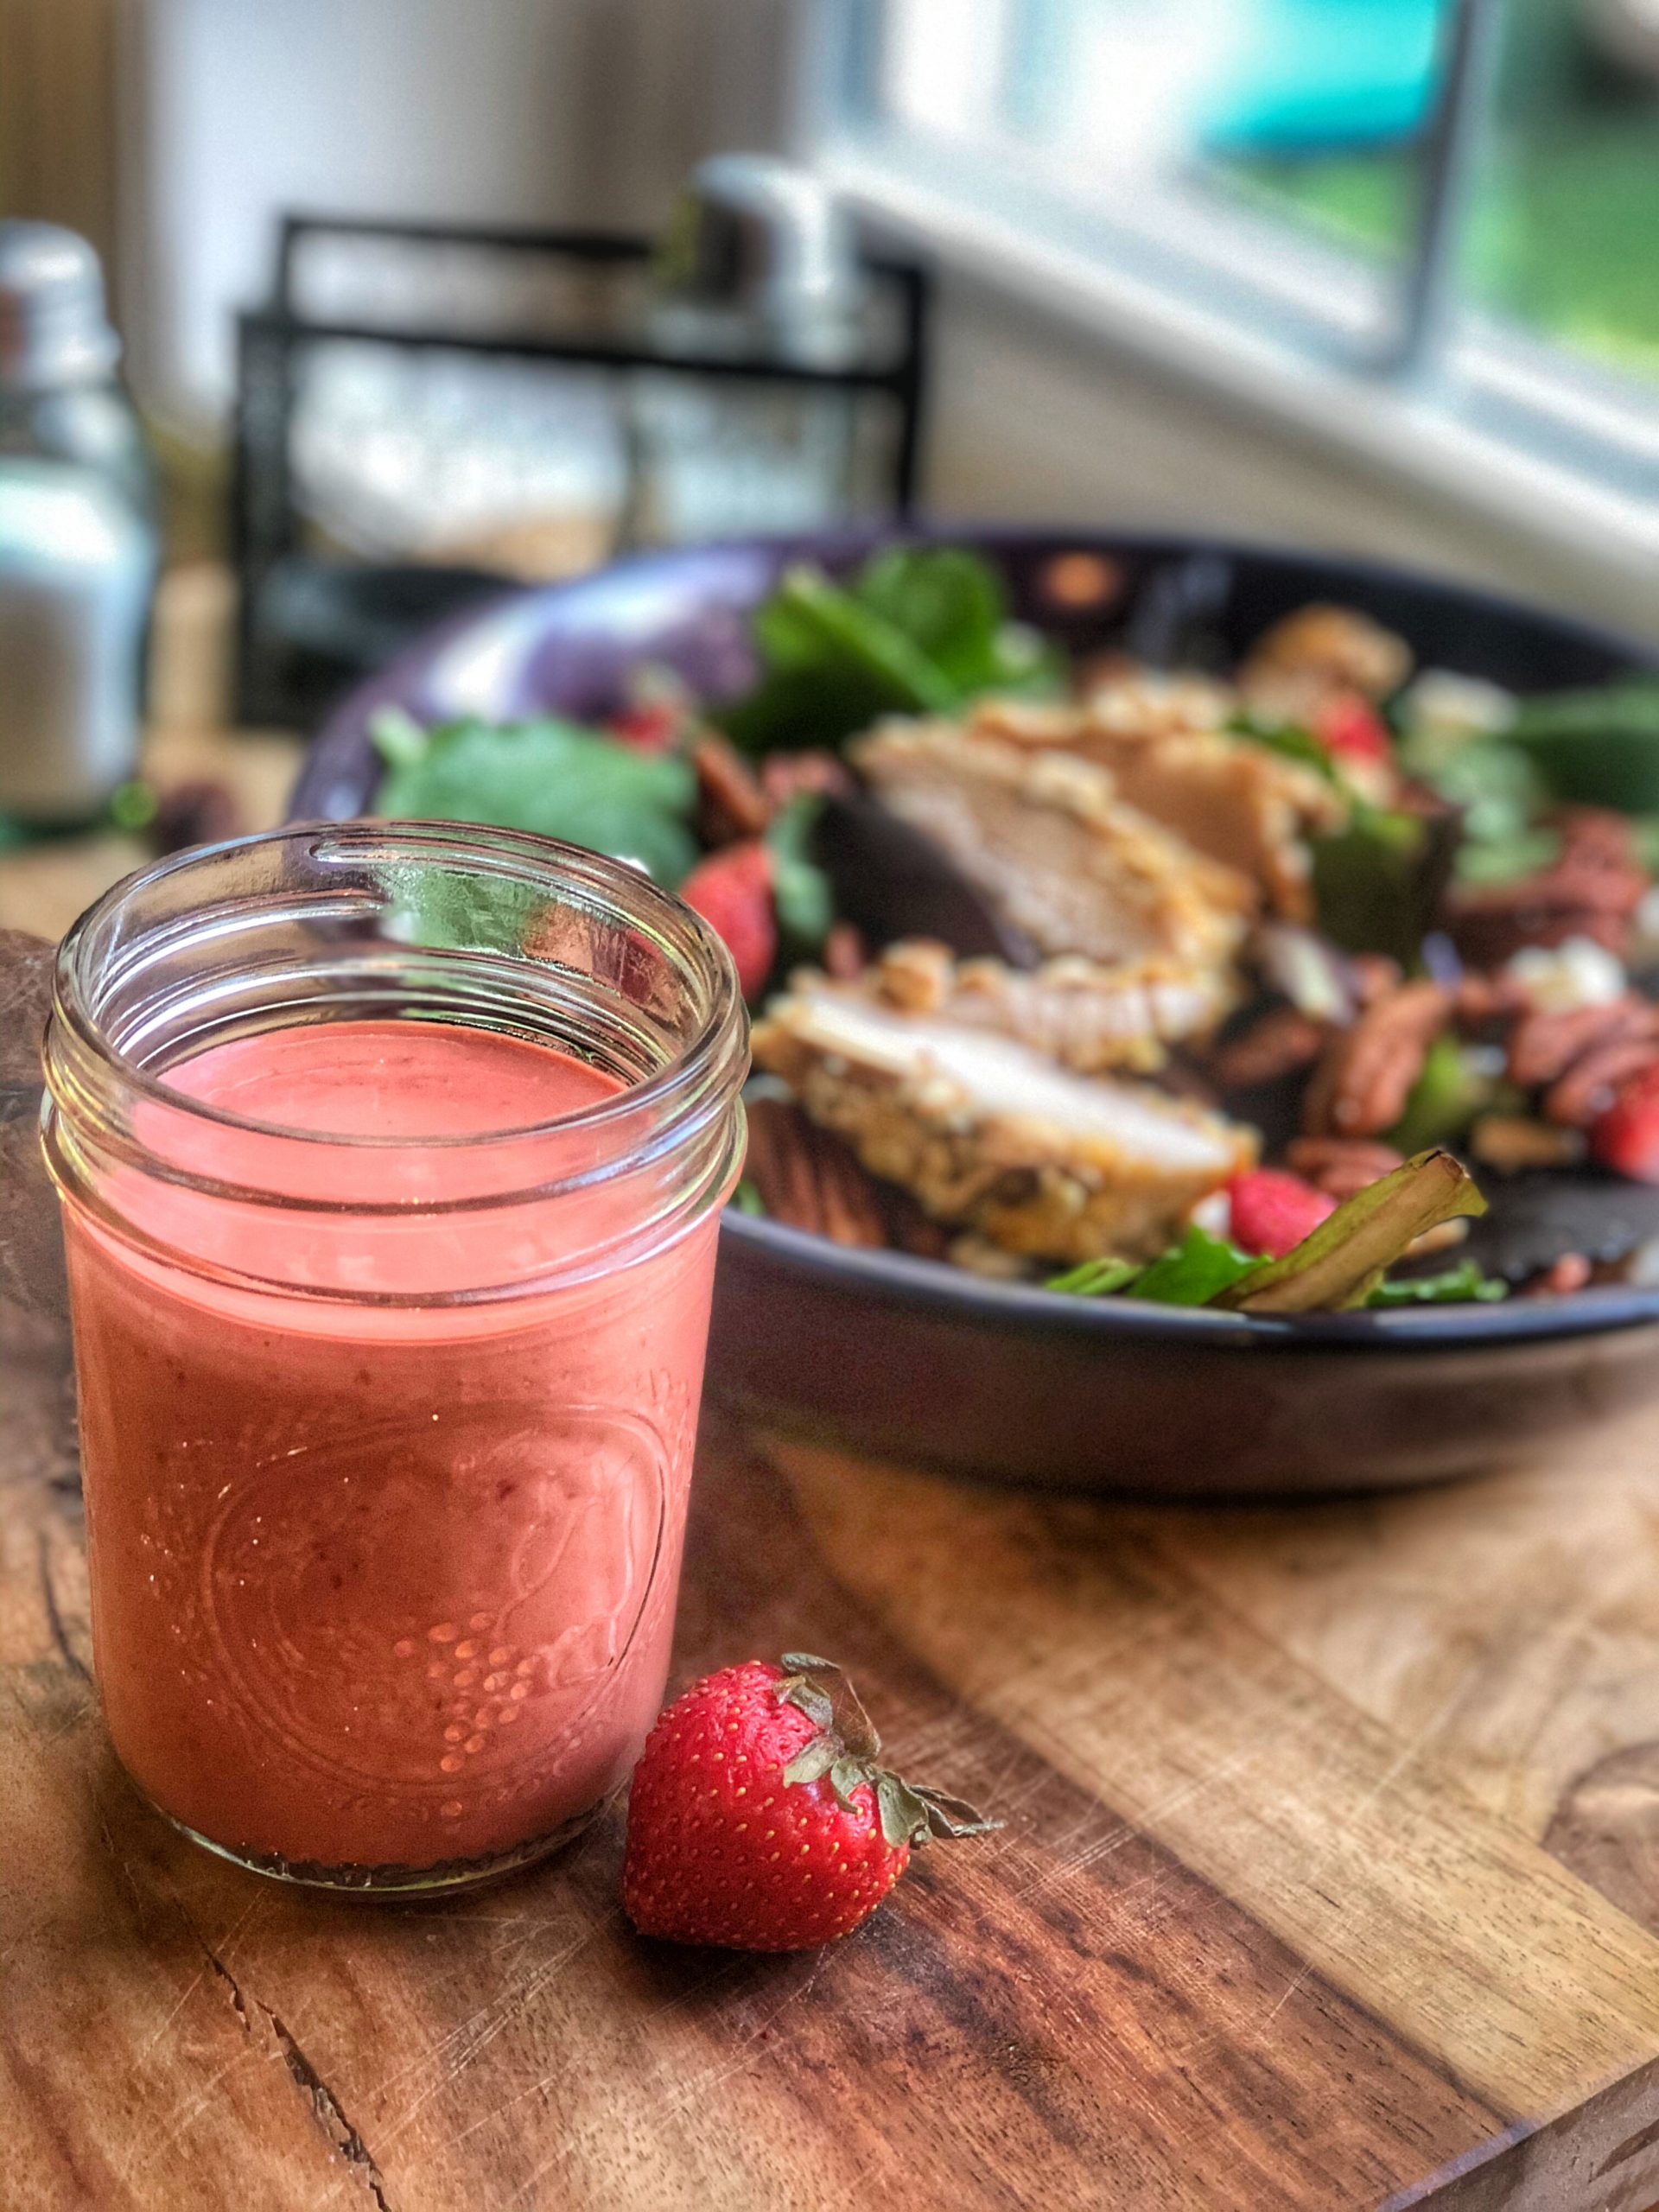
(916, 1360)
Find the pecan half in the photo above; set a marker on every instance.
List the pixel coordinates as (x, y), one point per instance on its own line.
(1280, 1042)
(1597, 842)
(1484, 1005)
(1593, 889)
(1599, 866)
(808, 1178)
(1373, 975)
(1544, 1045)
(1341, 1167)
(1361, 1086)
(730, 803)
(1588, 1086)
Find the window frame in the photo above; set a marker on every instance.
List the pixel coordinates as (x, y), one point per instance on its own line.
(1470, 411)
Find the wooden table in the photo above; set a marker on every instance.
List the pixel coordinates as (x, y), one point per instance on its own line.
(1331, 1866)
(1331, 1877)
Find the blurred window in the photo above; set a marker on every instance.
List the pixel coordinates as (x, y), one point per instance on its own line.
(1461, 194)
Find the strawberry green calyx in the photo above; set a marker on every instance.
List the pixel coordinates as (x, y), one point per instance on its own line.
(760, 1819)
(848, 1749)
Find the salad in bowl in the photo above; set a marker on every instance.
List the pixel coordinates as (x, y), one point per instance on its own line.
(1201, 1036)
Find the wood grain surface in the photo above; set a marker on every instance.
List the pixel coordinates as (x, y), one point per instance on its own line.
(1330, 1880)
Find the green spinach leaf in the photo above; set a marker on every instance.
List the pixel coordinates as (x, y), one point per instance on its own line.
(921, 629)
(1191, 1273)
(1459, 1285)
(800, 889)
(1096, 1278)
(550, 776)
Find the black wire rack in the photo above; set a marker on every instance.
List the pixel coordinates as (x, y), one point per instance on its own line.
(310, 620)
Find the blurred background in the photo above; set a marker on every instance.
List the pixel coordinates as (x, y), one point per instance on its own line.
(1364, 274)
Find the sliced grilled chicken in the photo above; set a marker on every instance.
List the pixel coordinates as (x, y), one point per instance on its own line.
(1046, 837)
(1163, 741)
(1085, 1015)
(990, 1136)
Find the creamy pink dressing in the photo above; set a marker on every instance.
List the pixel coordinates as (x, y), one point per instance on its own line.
(382, 1584)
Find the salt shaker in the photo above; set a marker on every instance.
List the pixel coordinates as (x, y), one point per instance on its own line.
(759, 263)
(78, 542)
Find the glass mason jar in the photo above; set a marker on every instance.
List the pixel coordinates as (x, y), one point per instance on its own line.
(391, 1157)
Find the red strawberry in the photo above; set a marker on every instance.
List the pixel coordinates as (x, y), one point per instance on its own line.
(1625, 1135)
(653, 726)
(732, 889)
(760, 1819)
(1273, 1211)
(1351, 727)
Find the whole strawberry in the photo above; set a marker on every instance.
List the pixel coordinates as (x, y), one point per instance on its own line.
(760, 1819)
(1625, 1135)
(732, 889)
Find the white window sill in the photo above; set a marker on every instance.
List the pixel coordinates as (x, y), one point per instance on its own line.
(1394, 430)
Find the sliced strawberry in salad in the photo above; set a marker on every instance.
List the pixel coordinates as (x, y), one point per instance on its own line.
(1273, 1211)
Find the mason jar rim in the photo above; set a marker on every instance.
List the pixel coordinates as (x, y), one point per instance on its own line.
(633, 893)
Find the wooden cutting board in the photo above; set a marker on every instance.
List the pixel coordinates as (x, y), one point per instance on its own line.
(1330, 1879)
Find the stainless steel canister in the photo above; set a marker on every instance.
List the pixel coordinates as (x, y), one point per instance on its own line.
(77, 545)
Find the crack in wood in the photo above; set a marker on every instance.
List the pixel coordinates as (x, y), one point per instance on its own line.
(330, 2114)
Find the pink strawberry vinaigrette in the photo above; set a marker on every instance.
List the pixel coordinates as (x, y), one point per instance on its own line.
(390, 1332)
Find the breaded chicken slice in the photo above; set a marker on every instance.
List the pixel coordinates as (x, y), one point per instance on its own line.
(1163, 743)
(1083, 1014)
(1045, 836)
(990, 1136)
